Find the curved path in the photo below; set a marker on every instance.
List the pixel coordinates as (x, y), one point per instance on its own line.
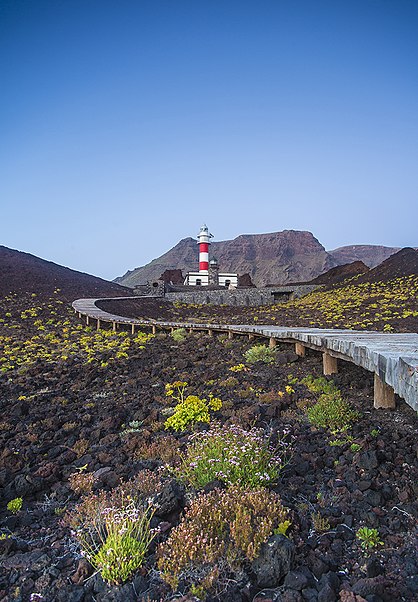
(393, 358)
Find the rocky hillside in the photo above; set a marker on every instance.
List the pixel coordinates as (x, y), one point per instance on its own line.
(403, 263)
(371, 255)
(24, 273)
(340, 273)
(275, 258)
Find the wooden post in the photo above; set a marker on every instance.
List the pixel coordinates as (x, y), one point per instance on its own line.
(250, 337)
(300, 349)
(329, 364)
(87, 320)
(384, 395)
(230, 334)
(153, 329)
(272, 342)
(98, 323)
(210, 332)
(133, 329)
(114, 326)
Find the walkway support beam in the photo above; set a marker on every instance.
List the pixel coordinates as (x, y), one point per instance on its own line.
(300, 349)
(329, 364)
(384, 395)
(272, 342)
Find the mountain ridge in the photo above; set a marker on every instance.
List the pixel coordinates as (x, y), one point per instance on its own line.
(281, 257)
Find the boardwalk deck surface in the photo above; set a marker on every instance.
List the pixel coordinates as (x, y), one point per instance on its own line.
(393, 357)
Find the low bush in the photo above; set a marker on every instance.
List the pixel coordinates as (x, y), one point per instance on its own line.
(233, 455)
(15, 505)
(332, 412)
(369, 539)
(121, 546)
(319, 385)
(260, 353)
(190, 409)
(179, 335)
(219, 533)
(113, 528)
(165, 449)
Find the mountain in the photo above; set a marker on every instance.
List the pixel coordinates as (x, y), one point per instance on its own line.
(371, 255)
(279, 258)
(25, 273)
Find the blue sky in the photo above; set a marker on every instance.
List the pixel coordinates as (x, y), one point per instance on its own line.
(125, 124)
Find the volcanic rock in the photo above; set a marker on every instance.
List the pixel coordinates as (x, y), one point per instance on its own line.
(274, 561)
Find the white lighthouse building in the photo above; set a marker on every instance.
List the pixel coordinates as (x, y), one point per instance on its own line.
(208, 270)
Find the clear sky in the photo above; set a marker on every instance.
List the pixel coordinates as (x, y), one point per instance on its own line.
(126, 124)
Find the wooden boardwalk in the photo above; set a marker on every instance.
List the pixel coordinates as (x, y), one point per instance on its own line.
(393, 358)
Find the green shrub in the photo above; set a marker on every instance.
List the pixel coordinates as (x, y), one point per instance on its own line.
(233, 455)
(369, 539)
(190, 409)
(219, 533)
(179, 335)
(122, 552)
(332, 412)
(260, 353)
(319, 385)
(113, 528)
(15, 505)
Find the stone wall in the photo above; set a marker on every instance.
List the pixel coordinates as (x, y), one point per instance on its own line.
(249, 297)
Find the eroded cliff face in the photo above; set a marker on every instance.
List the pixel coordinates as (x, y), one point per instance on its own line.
(279, 257)
(274, 258)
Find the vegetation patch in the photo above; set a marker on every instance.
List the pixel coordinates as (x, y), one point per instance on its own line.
(233, 455)
(189, 409)
(219, 532)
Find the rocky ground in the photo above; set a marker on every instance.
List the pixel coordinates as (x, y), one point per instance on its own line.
(77, 402)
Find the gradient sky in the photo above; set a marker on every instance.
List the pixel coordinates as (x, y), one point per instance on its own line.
(126, 124)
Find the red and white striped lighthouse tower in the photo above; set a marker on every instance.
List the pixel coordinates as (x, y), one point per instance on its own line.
(203, 239)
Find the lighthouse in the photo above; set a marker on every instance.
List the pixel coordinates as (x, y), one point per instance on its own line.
(208, 273)
(203, 240)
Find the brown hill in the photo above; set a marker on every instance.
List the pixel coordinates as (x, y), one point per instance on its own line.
(24, 273)
(341, 273)
(402, 263)
(371, 255)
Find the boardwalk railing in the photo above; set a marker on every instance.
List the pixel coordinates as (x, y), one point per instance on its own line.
(393, 358)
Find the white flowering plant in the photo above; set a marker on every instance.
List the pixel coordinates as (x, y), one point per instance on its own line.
(233, 455)
(113, 528)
